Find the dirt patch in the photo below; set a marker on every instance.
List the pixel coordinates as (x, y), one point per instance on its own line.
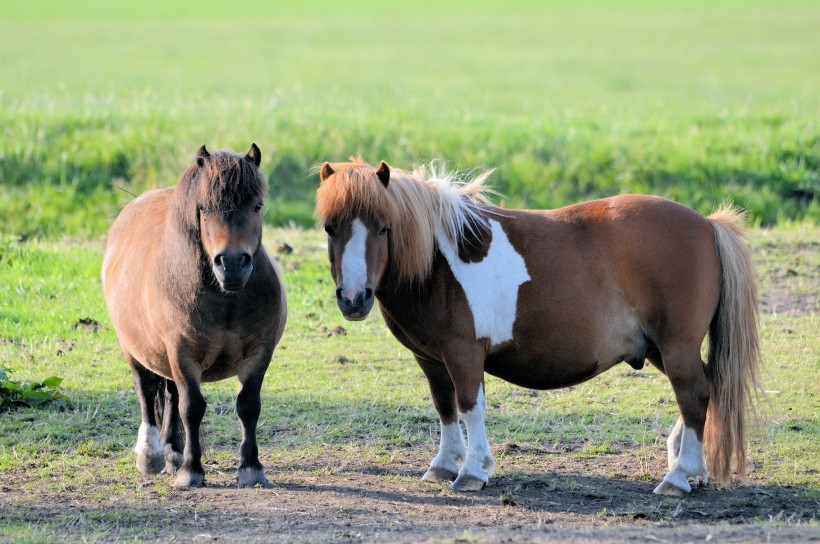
(345, 496)
(789, 276)
(88, 324)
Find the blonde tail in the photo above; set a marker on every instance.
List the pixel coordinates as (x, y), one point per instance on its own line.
(734, 349)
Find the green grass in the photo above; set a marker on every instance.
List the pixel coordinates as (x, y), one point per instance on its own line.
(360, 390)
(698, 101)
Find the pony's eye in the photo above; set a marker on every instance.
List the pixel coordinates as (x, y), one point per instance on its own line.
(258, 208)
(329, 230)
(384, 231)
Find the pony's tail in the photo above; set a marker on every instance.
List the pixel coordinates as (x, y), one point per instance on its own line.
(734, 349)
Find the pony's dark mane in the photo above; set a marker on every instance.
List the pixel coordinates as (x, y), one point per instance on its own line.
(226, 182)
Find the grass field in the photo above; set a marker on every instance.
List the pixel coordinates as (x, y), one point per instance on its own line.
(701, 102)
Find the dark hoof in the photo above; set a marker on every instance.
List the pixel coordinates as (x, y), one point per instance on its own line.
(439, 474)
(150, 464)
(466, 482)
(249, 477)
(670, 489)
(186, 478)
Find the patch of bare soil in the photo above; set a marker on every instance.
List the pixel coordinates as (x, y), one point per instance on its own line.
(789, 275)
(344, 497)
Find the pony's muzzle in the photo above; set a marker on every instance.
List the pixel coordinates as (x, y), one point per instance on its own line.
(355, 305)
(232, 269)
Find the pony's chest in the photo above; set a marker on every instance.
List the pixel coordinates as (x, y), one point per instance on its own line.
(223, 351)
(491, 285)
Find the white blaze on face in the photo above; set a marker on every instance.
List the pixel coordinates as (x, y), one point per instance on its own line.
(354, 262)
(491, 285)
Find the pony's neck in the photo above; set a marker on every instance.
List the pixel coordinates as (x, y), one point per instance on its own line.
(181, 265)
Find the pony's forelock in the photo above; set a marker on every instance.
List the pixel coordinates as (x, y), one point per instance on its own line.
(422, 207)
(224, 183)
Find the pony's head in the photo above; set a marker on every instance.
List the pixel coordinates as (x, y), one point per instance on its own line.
(377, 219)
(357, 213)
(219, 199)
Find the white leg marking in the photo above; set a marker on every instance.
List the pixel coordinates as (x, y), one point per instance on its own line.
(673, 444)
(491, 285)
(148, 443)
(451, 448)
(354, 263)
(479, 462)
(690, 463)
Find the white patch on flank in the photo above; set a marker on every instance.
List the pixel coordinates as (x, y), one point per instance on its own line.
(479, 462)
(451, 448)
(354, 262)
(148, 443)
(690, 463)
(491, 285)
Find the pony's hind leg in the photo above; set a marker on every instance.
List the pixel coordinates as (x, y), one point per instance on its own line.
(172, 435)
(688, 377)
(673, 444)
(248, 408)
(451, 451)
(674, 439)
(148, 449)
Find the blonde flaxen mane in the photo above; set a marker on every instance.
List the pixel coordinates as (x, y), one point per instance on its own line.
(421, 207)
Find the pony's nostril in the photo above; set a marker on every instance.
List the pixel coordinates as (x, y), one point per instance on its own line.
(339, 293)
(218, 261)
(368, 293)
(246, 260)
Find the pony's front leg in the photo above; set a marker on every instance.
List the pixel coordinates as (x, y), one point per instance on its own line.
(248, 408)
(191, 411)
(451, 451)
(479, 465)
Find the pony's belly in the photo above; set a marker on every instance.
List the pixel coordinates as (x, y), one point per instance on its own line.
(556, 368)
(542, 374)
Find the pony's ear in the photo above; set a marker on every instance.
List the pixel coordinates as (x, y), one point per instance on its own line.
(254, 155)
(383, 172)
(326, 171)
(201, 155)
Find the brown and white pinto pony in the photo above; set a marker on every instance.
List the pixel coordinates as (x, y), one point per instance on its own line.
(548, 299)
(195, 298)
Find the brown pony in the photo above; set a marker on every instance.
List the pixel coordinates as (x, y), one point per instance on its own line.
(194, 297)
(548, 299)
